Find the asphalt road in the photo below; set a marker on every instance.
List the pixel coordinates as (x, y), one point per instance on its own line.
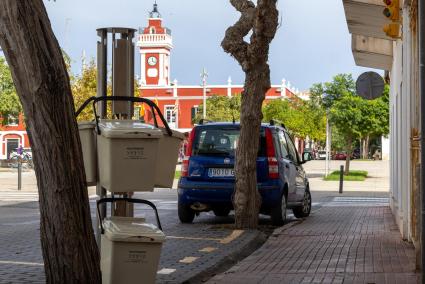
(190, 249)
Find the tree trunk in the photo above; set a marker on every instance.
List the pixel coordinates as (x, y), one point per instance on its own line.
(247, 200)
(367, 147)
(262, 21)
(349, 151)
(69, 249)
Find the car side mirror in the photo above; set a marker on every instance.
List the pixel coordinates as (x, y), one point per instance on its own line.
(306, 157)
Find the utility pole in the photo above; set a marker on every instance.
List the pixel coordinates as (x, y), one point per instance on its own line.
(421, 31)
(204, 76)
(67, 20)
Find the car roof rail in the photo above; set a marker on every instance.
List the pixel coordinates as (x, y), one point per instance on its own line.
(275, 121)
(204, 121)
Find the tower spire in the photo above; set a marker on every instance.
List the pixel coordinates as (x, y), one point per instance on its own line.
(155, 12)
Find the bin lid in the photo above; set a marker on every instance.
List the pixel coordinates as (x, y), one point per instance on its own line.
(128, 229)
(128, 129)
(175, 133)
(86, 125)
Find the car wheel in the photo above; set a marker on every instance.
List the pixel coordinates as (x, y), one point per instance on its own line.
(186, 214)
(221, 212)
(305, 209)
(278, 213)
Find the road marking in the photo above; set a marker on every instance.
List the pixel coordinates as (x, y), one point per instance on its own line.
(25, 196)
(166, 271)
(21, 263)
(194, 238)
(22, 223)
(19, 196)
(358, 202)
(188, 259)
(207, 249)
(233, 236)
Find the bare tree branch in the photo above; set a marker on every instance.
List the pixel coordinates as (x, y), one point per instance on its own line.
(264, 30)
(233, 42)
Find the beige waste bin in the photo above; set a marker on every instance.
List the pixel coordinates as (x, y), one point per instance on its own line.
(130, 251)
(127, 155)
(167, 158)
(88, 144)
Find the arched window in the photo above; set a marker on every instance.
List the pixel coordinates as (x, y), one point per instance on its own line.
(153, 30)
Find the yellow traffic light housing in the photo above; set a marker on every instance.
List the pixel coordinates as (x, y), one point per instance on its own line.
(392, 10)
(392, 30)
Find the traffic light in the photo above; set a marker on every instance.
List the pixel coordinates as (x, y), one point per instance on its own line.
(392, 12)
(392, 30)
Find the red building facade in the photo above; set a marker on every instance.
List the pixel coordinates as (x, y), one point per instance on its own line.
(12, 136)
(179, 103)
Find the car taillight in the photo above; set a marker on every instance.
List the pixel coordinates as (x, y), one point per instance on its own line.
(271, 156)
(186, 159)
(185, 166)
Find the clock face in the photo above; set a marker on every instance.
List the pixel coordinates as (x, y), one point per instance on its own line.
(152, 61)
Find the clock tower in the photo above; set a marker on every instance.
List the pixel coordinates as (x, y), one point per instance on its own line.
(155, 43)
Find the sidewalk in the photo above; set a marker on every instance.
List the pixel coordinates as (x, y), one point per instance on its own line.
(350, 238)
(335, 244)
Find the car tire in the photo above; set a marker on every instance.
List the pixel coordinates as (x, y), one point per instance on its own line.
(221, 212)
(278, 213)
(305, 209)
(186, 214)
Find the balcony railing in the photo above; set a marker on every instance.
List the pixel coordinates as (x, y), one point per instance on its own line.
(155, 39)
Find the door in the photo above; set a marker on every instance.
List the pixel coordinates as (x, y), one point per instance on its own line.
(11, 145)
(171, 116)
(288, 167)
(299, 171)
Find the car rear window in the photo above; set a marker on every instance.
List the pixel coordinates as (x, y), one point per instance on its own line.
(221, 141)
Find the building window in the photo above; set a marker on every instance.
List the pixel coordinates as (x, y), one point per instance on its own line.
(152, 30)
(194, 112)
(170, 114)
(12, 120)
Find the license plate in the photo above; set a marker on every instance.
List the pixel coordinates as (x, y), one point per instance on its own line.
(220, 172)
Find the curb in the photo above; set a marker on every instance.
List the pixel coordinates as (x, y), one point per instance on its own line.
(230, 260)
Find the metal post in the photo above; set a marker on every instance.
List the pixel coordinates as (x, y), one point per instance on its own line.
(327, 145)
(341, 178)
(204, 76)
(19, 173)
(421, 31)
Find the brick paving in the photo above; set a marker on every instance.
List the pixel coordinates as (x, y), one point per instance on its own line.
(206, 243)
(350, 244)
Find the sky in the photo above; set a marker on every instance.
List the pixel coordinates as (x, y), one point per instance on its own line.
(311, 45)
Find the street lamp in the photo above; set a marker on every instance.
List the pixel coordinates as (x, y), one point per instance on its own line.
(204, 76)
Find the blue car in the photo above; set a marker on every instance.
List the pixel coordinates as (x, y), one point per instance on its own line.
(208, 179)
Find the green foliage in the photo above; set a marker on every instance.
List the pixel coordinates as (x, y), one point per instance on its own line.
(375, 116)
(10, 104)
(346, 115)
(302, 118)
(221, 108)
(351, 115)
(352, 176)
(83, 87)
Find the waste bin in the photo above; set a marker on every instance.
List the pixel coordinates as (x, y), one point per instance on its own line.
(130, 251)
(88, 145)
(169, 150)
(127, 155)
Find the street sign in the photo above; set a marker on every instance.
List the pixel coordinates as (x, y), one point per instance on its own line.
(370, 85)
